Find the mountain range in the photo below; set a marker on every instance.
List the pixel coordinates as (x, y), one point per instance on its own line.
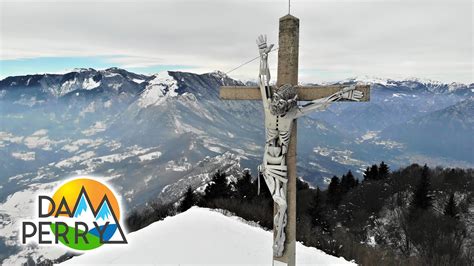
(119, 124)
(152, 136)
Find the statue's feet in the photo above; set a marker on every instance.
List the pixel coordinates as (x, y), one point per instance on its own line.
(280, 221)
(278, 248)
(277, 251)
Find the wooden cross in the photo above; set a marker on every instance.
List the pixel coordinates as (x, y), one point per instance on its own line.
(288, 74)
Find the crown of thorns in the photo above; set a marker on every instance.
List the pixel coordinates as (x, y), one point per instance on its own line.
(286, 92)
(284, 98)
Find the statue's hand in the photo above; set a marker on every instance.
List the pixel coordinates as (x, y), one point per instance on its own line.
(350, 93)
(263, 48)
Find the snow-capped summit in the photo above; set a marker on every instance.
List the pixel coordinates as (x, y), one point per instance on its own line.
(161, 86)
(78, 81)
(364, 79)
(200, 236)
(411, 84)
(218, 74)
(82, 69)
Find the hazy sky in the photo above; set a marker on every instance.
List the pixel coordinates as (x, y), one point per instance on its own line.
(338, 39)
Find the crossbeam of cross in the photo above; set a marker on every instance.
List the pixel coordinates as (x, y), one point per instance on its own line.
(305, 93)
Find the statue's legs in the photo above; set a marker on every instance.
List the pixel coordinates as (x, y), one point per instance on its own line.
(280, 223)
(279, 197)
(275, 177)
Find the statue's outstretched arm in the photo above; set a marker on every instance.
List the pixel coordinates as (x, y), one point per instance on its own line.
(264, 73)
(347, 93)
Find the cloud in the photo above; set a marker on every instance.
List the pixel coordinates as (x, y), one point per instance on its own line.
(337, 38)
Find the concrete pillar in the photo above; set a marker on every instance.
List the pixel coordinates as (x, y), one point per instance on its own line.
(288, 74)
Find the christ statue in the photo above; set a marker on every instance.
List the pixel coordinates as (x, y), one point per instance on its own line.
(281, 107)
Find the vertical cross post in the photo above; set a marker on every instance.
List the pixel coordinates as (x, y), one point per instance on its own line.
(288, 74)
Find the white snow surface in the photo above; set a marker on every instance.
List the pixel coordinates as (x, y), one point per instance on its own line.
(90, 84)
(150, 156)
(161, 87)
(25, 156)
(200, 237)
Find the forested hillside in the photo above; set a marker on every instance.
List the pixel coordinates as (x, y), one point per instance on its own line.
(416, 215)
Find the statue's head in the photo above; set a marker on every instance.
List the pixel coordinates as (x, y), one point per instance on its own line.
(283, 99)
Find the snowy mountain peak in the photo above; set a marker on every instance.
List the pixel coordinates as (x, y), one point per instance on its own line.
(161, 86)
(366, 79)
(81, 69)
(411, 84)
(218, 74)
(423, 81)
(113, 69)
(388, 81)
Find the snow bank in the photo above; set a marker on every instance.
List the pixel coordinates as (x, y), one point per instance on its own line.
(200, 236)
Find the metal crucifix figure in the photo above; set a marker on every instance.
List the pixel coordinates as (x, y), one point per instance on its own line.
(281, 108)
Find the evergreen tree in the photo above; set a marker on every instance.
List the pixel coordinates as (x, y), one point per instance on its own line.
(316, 211)
(218, 187)
(422, 198)
(384, 171)
(347, 182)
(451, 209)
(343, 185)
(351, 179)
(244, 187)
(374, 172)
(371, 173)
(334, 192)
(188, 201)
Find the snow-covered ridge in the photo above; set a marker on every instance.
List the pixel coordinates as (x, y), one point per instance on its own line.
(393, 82)
(200, 236)
(362, 79)
(81, 69)
(158, 89)
(116, 81)
(218, 74)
